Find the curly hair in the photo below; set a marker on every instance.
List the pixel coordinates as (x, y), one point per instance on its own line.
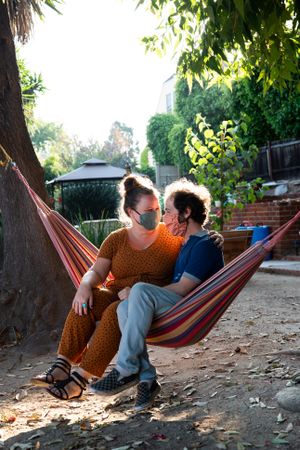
(186, 194)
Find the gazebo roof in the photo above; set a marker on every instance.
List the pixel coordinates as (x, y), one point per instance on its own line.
(92, 169)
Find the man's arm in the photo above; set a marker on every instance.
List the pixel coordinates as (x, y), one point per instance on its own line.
(183, 286)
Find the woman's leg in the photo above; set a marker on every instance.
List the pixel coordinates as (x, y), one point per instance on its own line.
(102, 348)
(104, 343)
(78, 330)
(75, 337)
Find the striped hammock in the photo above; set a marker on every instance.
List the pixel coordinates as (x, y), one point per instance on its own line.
(191, 318)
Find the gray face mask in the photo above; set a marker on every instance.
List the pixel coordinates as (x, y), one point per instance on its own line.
(149, 220)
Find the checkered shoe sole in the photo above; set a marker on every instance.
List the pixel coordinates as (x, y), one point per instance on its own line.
(146, 395)
(111, 385)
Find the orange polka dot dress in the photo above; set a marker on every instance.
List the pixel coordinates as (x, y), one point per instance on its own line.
(93, 340)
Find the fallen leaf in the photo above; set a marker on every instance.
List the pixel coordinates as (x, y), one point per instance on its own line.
(240, 446)
(36, 435)
(125, 447)
(201, 404)
(55, 441)
(289, 428)
(159, 437)
(221, 446)
(242, 350)
(22, 394)
(85, 426)
(188, 386)
(109, 438)
(278, 441)
(280, 418)
(191, 392)
(21, 446)
(9, 418)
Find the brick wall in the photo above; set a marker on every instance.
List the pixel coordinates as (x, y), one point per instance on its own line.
(273, 213)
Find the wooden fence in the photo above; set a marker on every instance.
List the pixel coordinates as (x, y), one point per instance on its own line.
(277, 161)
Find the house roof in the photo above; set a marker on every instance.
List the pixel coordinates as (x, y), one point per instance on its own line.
(92, 169)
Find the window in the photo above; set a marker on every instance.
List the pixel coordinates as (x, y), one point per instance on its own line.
(169, 102)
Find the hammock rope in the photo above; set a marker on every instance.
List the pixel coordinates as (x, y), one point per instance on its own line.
(191, 319)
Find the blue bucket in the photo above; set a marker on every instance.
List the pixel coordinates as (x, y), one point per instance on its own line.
(259, 233)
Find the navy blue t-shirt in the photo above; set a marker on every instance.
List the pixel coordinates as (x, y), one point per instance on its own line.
(199, 258)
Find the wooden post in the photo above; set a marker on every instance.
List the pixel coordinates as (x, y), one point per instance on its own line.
(269, 160)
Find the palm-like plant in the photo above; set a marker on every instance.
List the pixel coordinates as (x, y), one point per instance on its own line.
(21, 15)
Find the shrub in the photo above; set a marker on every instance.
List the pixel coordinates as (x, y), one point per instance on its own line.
(97, 230)
(90, 201)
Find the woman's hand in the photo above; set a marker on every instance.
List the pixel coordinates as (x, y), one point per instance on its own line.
(83, 299)
(217, 238)
(124, 293)
(92, 278)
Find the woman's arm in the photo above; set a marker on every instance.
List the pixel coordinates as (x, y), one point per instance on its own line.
(93, 277)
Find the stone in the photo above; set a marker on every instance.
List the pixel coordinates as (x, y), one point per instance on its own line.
(289, 399)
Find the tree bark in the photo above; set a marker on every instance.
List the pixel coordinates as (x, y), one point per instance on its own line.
(35, 291)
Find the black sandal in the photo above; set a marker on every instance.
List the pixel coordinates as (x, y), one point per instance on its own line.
(60, 386)
(61, 364)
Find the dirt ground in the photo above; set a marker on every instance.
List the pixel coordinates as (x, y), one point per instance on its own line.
(219, 394)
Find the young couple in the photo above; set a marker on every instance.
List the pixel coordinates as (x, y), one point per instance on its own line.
(140, 257)
(186, 209)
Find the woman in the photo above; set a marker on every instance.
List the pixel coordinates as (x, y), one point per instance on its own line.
(144, 251)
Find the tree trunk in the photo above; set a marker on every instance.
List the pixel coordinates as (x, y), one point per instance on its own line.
(35, 291)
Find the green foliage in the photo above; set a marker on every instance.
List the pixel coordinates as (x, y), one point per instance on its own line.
(213, 103)
(270, 116)
(144, 157)
(226, 37)
(120, 149)
(147, 171)
(176, 139)
(158, 130)
(59, 153)
(52, 167)
(81, 152)
(32, 85)
(90, 200)
(220, 163)
(145, 167)
(21, 15)
(95, 232)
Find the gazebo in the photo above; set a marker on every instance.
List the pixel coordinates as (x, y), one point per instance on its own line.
(95, 171)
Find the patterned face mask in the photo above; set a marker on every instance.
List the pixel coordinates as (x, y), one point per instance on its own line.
(174, 226)
(149, 220)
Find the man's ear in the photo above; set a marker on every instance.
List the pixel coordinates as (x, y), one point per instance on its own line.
(187, 213)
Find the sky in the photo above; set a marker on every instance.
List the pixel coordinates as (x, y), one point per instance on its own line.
(95, 68)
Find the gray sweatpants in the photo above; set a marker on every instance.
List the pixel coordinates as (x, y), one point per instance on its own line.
(135, 315)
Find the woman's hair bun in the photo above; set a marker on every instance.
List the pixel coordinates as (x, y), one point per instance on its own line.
(131, 182)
